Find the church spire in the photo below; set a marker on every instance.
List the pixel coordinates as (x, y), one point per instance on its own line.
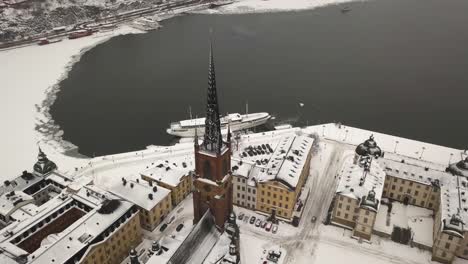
(213, 140)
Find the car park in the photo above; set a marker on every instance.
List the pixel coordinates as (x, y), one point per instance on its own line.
(274, 229)
(257, 224)
(252, 219)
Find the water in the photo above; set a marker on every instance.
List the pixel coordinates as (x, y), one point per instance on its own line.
(393, 66)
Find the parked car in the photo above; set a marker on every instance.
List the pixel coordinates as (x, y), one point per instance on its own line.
(258, 223)
(246, 218)
(171, 220)
(252, 219)
(163, 227)
(268, 227)
(264, 223)
(274, 229)
(241, 215)
(179, 227)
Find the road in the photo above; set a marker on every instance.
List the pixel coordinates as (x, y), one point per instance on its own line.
(322, 183)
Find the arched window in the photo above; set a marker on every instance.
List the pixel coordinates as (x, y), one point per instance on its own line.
(207, 170)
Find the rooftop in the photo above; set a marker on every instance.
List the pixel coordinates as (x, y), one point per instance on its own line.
(288, 160)
(168, 173)
(355, 182)
(139, 193)
(78, 235)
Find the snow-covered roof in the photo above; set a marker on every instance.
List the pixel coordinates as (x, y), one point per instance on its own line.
(139, 193)
(77, 236)
(20, 183)
(356, 183)
(167, 173)
(414, 173)
(9, 201)
(59, 178)
(453, 200)
(409, 148)
(288, 160)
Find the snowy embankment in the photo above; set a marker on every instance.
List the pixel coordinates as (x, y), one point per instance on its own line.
(30, 77)
(263, 6)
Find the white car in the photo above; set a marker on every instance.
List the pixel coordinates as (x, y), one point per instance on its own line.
(274, 229)
(258, 223)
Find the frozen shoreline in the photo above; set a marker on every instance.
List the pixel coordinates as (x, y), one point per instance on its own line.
(31, 77)
(31, 82)
(267, 6)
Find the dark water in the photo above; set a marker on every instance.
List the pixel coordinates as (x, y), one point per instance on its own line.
(393, 66)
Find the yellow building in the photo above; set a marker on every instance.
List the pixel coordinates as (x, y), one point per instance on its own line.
(115, 242)
(358, 197)
(155, 202)
(176, 179)
(280, 182)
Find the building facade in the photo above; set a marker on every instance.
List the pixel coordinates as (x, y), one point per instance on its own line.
(178, 181)
(444, 192)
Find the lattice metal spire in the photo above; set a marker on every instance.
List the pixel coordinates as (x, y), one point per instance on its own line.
(213, 140)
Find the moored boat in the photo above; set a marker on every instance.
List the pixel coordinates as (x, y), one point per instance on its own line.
(236, 121)
(80, 34)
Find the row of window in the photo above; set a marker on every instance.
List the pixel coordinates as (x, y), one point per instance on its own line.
(248, 189)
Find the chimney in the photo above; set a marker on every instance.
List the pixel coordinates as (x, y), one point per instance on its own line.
(131, 185)
(155, 188)
(150, 196)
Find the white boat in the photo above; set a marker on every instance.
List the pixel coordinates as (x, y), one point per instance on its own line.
(236, 121)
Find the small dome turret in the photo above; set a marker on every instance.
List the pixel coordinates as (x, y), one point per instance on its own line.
(134, 257)
(460, 168)
(369, 148)
(43, 165)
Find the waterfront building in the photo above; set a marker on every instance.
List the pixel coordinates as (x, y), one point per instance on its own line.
(172, 177)
(154, 201)
(357, 198)
(408, 182)
(280, 183)
(90, 226)
(272, 181)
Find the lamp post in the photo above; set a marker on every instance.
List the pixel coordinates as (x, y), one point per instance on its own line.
(422, 152)
(396, 144)
(346, 135)
(323, 131)
(450, 160)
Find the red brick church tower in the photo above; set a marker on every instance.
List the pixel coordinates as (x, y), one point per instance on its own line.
(213, 183)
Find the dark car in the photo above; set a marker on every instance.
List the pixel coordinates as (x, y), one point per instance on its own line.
(179, 227)
(252, 219)
(163, 227)
(241, 215)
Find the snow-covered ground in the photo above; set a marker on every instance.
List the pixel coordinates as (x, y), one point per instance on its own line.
(417, 218)
(29, 82)
(262, 6)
